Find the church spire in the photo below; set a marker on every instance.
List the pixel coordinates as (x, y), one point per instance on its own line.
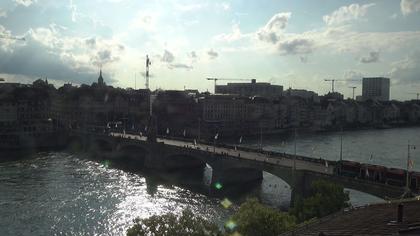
(100, 79)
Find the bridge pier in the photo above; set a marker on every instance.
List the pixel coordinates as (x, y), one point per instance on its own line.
(225, 174)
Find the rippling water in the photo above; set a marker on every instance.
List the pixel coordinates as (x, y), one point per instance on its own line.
(387, 146)
(60, 193)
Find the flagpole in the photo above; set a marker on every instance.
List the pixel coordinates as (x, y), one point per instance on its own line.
(341, 145)
(408, 165)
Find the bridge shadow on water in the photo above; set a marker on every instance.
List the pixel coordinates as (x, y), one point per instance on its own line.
(270, 190)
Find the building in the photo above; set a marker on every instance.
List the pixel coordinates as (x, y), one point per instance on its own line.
(379, 219)
(309, 95)
(376, 88)
(250, 89)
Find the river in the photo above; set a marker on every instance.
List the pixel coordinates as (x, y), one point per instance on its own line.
(61, 193)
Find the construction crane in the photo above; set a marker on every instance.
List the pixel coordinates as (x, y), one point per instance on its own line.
(216, 79)
(3, 36)
(418, 94)
(353, 87)
(333, 81)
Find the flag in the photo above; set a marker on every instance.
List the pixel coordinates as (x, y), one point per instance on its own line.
(216, 136)
(167, 130)
(410, 164)
(240, 139)
(184, 133)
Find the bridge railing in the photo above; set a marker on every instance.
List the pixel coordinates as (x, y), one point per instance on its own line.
(271, 154)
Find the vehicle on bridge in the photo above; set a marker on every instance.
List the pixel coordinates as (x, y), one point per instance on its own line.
(390, 176)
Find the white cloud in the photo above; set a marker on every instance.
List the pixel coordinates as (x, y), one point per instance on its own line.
(3, 13)
(212, 54)
(347, 13)
(180, 66)
(145, 20)
(409, 6)
(372, 57)
(25, 3)
(272, 31)
(167, 57)
(406, 71)
(353, 75)
(48, 52)
(73, 10)
(225, 6)
(189, 7)
(235, 35)
(295, 46)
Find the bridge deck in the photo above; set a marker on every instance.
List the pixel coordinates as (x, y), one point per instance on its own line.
(309, 164)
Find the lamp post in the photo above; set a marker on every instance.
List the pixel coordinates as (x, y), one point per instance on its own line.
(260, 137)
(409, 147)
(199, 130)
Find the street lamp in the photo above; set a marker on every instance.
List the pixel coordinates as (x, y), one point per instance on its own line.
(409, 163)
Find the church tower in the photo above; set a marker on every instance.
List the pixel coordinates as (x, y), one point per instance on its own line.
(100, 79)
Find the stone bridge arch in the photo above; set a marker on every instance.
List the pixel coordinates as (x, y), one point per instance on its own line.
(133, 152)
(75, 144)
(102, 145)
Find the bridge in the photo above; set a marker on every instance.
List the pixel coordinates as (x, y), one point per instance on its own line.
(230, 165)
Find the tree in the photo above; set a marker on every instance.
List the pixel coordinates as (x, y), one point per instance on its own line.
(187, 224)
(253, 218)
(325, 198)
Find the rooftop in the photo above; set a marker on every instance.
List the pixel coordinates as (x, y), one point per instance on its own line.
(378, 219)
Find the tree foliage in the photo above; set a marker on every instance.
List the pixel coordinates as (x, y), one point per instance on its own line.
(253, 218)
(187, 224)
(325, 198)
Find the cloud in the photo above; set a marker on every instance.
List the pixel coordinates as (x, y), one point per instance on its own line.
(212, 54)
(180, 66)
(295, 46)
(347, 13)
(189, 7)
(167, 57)
(271, 32)
(73, 10)
(193, 54)
(409, 6)
(406, 71)
(225, 6)
(145, 20)
(303, 59)
(25, 3)
(3, 13)
(230, 37)
(371, 58)
(47, 52)
(353, 75)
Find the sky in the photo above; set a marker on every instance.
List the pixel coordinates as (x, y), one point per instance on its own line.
(296, 44)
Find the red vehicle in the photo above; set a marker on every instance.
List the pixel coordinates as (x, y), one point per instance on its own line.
(395, 177)
(349, 168)
(373, 172)
(415, 181)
